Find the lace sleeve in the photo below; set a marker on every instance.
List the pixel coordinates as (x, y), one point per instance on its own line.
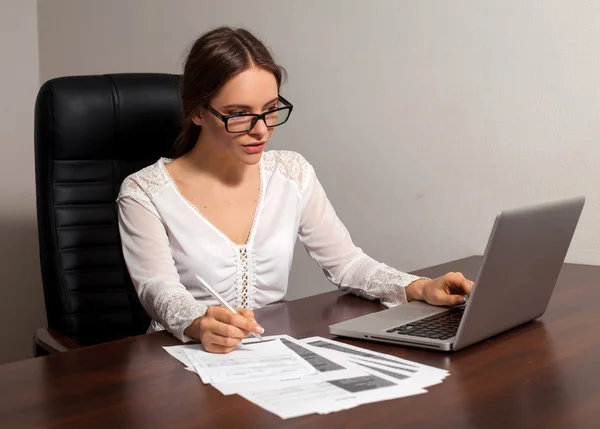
(385, 283)
(151, 266)
(178, 309)
(328, 242)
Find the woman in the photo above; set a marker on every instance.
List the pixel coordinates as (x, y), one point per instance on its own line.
(227, 210)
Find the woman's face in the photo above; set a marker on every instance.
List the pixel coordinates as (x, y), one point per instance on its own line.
(252, 91)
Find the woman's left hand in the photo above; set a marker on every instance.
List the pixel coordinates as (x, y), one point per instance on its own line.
(447, 290)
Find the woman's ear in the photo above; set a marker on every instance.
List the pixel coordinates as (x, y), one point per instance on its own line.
(197, 119)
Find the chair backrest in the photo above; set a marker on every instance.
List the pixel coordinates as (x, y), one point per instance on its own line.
(90, 133)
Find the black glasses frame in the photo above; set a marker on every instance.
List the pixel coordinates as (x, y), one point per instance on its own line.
(225, 118)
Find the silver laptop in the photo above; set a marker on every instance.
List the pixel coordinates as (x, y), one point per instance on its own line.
(522, 260)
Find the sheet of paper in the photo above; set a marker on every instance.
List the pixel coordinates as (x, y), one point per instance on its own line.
(380, 364)
(266, 360)
(424, 378)
(354, 351)
(326, 369)
(178, 352)
(340, 384)
(357, 353)
(300, 398)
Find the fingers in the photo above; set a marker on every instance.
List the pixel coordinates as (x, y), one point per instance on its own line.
(219, 341)
(225, 316)
(443, 298)
(448, 290)
(226, 330)
(220, 330)
(215, 348)
(243, 322)
(458, 284)
(454, 300)
(246, 312)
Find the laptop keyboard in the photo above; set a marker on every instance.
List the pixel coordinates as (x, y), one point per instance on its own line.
(439, 326)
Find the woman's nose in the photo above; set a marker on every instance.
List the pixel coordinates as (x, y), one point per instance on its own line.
(260, 128)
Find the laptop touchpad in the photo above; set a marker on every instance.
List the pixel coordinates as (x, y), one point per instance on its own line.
(392, 317)
(408, 312)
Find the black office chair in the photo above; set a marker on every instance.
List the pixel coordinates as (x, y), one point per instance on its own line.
(90, 133)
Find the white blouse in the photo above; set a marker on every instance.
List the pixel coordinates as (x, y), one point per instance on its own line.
(166, 241)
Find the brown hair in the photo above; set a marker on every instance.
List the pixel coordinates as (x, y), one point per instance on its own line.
(214, 58)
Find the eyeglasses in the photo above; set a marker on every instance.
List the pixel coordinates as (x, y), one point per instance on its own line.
(244, 122)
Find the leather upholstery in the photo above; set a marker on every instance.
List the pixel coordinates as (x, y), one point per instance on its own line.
(90, 133)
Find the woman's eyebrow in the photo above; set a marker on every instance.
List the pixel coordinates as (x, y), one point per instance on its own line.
(243, 106)
(271, 102)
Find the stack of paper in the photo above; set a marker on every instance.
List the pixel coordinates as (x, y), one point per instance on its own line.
(291, 377)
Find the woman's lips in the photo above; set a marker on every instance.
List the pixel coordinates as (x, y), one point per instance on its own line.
(254, 148)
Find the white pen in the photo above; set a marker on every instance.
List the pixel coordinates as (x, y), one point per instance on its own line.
(222, 301)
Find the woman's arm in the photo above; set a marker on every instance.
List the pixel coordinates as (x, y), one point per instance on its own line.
(152, 269)
(328, 242)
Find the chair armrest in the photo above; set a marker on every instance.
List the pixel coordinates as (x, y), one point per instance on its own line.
(53, 341)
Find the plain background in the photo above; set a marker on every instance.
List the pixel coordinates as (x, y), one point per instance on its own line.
(422, 119)
(21, 300)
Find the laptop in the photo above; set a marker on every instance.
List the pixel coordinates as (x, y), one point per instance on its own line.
(519, 269)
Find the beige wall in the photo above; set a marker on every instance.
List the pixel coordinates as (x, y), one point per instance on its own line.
(21, 305)
(422, 119)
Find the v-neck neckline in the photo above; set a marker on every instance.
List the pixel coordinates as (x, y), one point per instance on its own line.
(164, 161)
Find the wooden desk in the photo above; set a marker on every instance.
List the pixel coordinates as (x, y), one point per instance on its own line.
(545, 374)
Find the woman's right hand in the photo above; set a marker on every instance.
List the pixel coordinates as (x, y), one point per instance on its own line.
(220, 330)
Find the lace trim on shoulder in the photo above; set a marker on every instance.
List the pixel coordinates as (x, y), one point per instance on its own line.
(176, 309)
(290, 164)
(386, 283)
(145, 183)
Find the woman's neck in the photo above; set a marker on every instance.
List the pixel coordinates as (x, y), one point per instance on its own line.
(208, 159)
